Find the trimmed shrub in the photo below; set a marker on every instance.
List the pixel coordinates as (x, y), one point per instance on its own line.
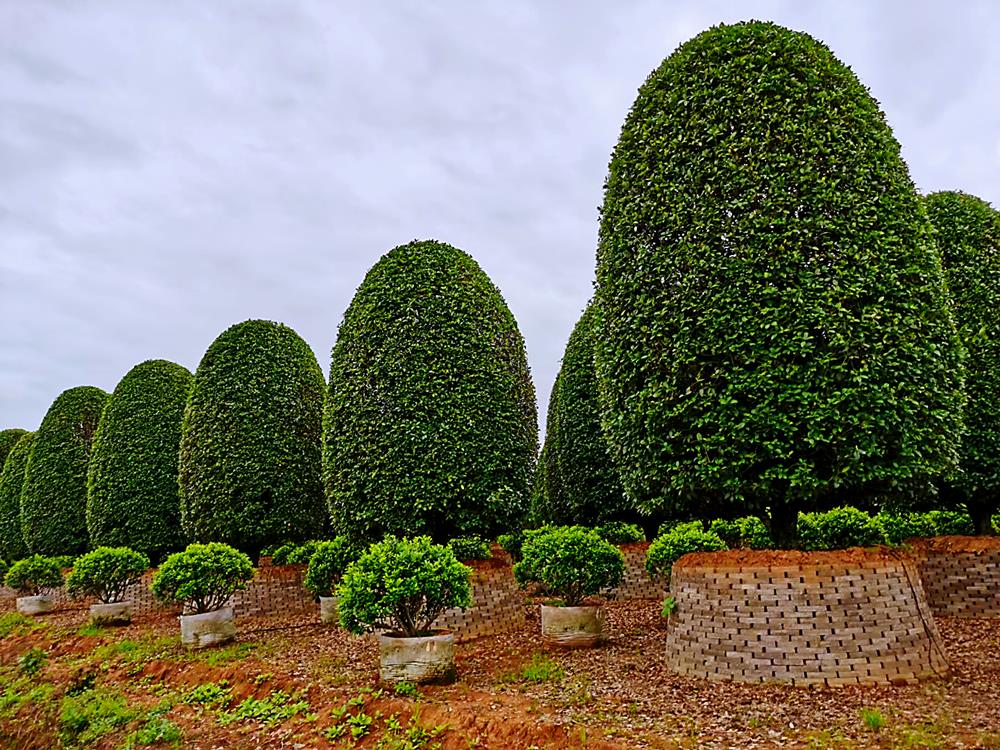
(132, 495)
(898, 527)
(679, 541)
(570, 562)
(588, 491)
(34, 576)
(619, 532)
(470, 548)
(772, 326)
(839, 528)
(8, 439)
(106, 573)
(431, 408)
(511, 543)
(402, 585)
(54, 498)
(951, 523)
(12, 545)
(202, 577)
(250, 442)
(291, 553)
(670, 524)
(327, 565)
(967, 231)
(748, 532)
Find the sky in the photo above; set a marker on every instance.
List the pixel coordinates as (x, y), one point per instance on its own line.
(169, 169)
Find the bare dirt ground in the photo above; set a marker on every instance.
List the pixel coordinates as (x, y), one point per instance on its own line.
(288, 684)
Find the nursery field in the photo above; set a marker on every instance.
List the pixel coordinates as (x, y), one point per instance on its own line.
(289, 684)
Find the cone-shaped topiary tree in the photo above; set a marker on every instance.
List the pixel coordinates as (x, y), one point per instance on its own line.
(430, 425)
(773, 330)
(250, 456)
(54, 498)
(967, 230)
(12, 546)
(132, 495)
(8, 439)
(588, 492)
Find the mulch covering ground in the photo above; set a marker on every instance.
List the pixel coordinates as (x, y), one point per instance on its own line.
(619, 696)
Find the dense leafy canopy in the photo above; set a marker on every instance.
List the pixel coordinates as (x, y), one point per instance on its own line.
(203, 576)
(34, 575)
(839, 528)
(106, 573)
(967, 231)
(430, 422)
(54, 498)
(670, 547)
(570, 562)
(250, 444)
(8, 439)
(588, 491)
(773, 331)
(132, 495)
(12, 546)
(327, 564)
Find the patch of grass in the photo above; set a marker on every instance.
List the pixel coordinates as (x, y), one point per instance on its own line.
(278, 707)
(32, 661)
(91, 629)
(873, 719)
(132, 652)
(542, 669)
(89, 716)
(221, 656)
(158, 730)
(14, 623)
(828, 739)
(928, 736)
(21, 691)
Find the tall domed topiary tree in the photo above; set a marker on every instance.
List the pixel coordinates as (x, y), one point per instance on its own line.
(12, 546)
(54, 498)
(967, 231)
(588, 492)
(8, 439)
(773, 330)
(431, 425)
(250, 455)
(132, 494)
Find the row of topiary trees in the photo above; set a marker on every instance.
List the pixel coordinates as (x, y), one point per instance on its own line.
(428, 425)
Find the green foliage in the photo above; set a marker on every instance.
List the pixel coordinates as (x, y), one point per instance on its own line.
(14, 623)
(34, 575)
(839, 528)
(967, 231)
(668, 607)
(158, 730)
(8, 439)
(406, 689)
(582, 485)
(669, 525)
(951, 523)
(210, 694)
(679, 541)
(327, 565)
(748, 532)
(12, 544)
(87, 717)
(620, 532)
(203, 576)
(271, 711)
(54, 498)
(570, 562)
(873, 719)
(402, 585)
(250, 440)
(291, 553)
(106, 573)
(541, 668)
(898, 527)
(430, 424)
(4, 567)
(32, 661)
(772, 324)
(511, 543)
(470, 548)
(132, 494)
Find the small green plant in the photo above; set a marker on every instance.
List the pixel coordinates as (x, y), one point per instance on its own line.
(748, 532)
(679, 541)
(276, 708)
(838, 528)
(402, 585)
(873, 719)
(203, 576)
(360, 724)
(619, 532)
(406, 689)
(669, 607)
(571, 562)
(32, 661)
(542, 669)
(327, 565)
(106, 573)
(34, 576)
(470, 548)
(210, 695)
(90, 715)
(158, 730)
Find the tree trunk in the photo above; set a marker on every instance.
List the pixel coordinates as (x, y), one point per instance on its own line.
(982, 518)
(784, 526)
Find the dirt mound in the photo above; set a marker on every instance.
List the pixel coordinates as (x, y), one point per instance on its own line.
(959, 544)
(746, 558)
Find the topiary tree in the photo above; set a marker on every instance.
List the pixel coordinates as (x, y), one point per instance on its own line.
(8, 439)
(967, 231)
(12, 545)
(588, 491)
(250, 456)
(431, 409)
(132, 495)
(54, 498)
(772, 324)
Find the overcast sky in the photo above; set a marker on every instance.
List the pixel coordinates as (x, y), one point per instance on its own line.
(170, 168)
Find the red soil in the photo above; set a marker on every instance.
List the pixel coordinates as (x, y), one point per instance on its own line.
(745, 558)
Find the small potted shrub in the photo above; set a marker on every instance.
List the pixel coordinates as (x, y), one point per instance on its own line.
(106, 574)
(203, 578)
(571, 563)
(668, 548)
(326, 567)
(401, 586)
(34, 578)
